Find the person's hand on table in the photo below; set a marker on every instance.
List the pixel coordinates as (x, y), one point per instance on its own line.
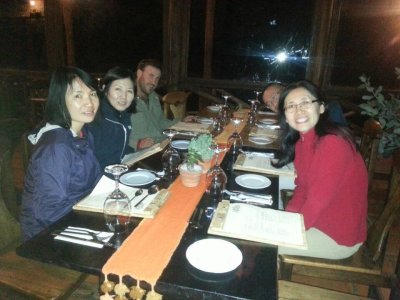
(145, 143)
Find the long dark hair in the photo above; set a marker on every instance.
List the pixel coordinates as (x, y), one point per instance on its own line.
(56, 111)
(324, 126)
(116, 73)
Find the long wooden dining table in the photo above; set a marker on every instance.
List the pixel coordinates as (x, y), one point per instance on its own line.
(255, 278)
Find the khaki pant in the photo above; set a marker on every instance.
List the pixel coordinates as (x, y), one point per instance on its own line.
(322, 246)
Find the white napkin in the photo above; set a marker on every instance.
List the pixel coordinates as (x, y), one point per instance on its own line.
(77, 235)
(259, 199)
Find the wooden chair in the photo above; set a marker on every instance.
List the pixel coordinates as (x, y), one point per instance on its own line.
(366, 266)
(175, 104)
(22, 278)
(297, 291)
(369, 145)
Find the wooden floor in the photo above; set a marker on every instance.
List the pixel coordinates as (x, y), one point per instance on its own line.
(89, 288)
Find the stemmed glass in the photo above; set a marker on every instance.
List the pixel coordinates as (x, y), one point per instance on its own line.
(235, 141)
(257, 94)
(216, 180)
(170, 159)
(117, 208)
(225, 112)
(254, 105)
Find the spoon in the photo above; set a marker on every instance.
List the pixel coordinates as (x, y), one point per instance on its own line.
(138, 193)
(152, 190)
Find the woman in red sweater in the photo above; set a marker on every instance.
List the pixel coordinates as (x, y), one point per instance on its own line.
(331, 183)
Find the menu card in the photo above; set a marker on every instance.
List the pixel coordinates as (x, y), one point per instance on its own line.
(259, 162)
(132, 158)
(95, 201)
(254, 223)
(194, 127)
(265, 131)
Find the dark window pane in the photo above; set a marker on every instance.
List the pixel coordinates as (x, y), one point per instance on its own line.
(248, 35)
(107, 33)
(196, 39)
(368, 43)
(23, 43)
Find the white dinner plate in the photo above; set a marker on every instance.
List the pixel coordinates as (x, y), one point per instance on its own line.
(180, 144)
(137, 178)
(214, 255)
(267, 121)
(206, 121)
(253, 181)
(214, 108)
(260, 140)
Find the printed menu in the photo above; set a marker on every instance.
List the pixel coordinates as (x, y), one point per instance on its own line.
(254, 223)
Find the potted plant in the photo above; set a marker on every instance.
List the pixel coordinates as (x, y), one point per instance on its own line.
(384, 108)
(199, 152)
(201, 145)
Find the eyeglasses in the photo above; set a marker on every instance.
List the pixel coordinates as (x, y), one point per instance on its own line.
(304, 105)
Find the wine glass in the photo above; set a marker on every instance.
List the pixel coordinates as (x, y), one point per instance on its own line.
(217, 127)
(216, 180)
(170, 159)
(117, 208)
(235, 141)
(225, 112)
(257, 94)
(254, 105)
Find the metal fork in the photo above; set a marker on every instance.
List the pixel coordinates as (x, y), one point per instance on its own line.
(92, 233)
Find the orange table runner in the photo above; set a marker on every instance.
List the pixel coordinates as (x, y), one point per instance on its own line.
(147, 251)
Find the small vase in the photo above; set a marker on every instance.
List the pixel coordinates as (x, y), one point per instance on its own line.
(190, 178)
(206, 165)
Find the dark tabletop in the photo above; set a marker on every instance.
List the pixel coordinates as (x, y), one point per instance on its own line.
(255, 278)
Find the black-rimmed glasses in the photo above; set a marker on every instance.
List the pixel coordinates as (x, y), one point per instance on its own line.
(303, 105)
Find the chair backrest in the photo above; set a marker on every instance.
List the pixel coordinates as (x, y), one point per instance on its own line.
(379, 230)
(175, 104)
(9, 226)
(26, 150)
(369, 145)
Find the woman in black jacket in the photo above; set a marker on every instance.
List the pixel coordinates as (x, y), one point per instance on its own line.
(112, 127)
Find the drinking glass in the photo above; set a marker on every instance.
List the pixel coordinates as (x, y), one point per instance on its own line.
(257, 94)
(225, 112)
(117, 208)
(251, 118)
(217, 127)
(235, 141)
(216, 180)
(254, 105)
(170, 159)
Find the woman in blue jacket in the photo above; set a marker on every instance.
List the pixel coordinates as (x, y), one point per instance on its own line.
(63, 168)
(112, 126)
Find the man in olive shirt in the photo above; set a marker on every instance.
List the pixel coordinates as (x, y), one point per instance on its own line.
(148, 121)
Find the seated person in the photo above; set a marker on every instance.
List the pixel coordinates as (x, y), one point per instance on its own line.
(148, 121)
(271, 100)
(112, 126)
(332, 180)
(271, 96)
(63, 168)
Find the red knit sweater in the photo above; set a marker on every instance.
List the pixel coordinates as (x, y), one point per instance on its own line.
(331, 187)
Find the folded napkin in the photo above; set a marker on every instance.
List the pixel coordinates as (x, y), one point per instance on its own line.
(252, 199)
(81, 236)
(148, 209)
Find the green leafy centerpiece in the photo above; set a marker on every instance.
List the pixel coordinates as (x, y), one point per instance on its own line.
(385, 108)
